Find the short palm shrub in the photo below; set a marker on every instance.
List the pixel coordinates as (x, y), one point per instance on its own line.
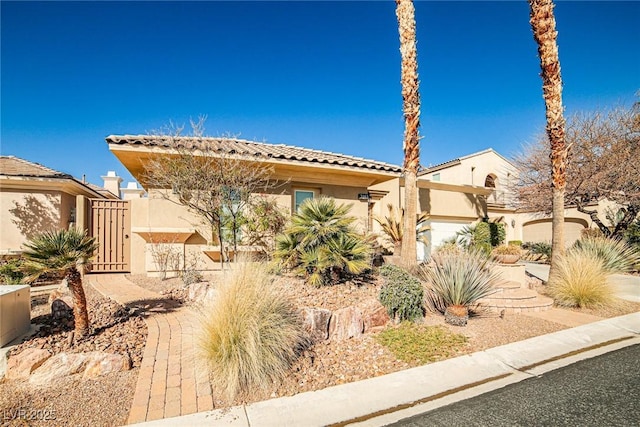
(617, 256)
(459, 282)
(321, 243)
(580, 280)
(402, 294)
(11, 272)
(538, 251)
(250, 334)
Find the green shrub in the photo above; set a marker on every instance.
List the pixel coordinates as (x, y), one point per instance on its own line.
(321, 243)
(514, 243)
(11, 271)
(402, 293)
(250, 334)
(460, 280)
(632, 234)
(422, 344)
(580, 280)
(538, 248)
(616, 255)
(482, 237)
(498, 233)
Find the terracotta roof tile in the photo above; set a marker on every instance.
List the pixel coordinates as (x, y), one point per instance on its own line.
(255, 149)
(15, 166)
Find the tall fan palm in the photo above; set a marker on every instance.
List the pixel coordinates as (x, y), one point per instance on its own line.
(411, 107)
(543, 25)
(64, 251)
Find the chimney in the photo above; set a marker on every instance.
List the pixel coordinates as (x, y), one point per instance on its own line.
(112, 182)
(132, 191)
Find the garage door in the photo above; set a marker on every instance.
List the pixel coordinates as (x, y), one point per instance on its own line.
(540, 230)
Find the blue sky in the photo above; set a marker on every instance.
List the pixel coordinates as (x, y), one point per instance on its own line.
(322, 75)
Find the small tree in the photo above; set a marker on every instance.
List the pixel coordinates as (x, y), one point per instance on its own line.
(602, 165)
(208, 177)
(264, 221)
(67, 252)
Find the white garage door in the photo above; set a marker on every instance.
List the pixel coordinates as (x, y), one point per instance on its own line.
(441, 231)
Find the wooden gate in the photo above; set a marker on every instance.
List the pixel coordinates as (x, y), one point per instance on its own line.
(111, 226)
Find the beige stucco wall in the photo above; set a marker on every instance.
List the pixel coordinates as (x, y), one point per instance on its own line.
(25, 213)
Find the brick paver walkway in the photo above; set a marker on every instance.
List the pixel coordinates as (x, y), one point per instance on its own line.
(169, 382)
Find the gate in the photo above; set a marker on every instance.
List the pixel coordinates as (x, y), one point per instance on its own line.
(111, 226)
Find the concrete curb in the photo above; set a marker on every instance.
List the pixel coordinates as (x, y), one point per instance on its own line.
(373, 397)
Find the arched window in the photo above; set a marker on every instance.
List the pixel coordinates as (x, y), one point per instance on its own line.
(490, 181)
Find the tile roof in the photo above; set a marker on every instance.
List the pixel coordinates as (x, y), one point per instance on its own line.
(255, 149)
(15, 166)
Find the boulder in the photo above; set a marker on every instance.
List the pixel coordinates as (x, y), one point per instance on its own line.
(346, 323)
(316, 322)
(202, 292)
(99, 364)
(21, 365)
(58, 366)
(91, 365)
(375, 317)
(60, 309)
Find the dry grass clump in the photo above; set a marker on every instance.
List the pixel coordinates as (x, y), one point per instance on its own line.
(250, 335)
(580, 281)
(617, 255)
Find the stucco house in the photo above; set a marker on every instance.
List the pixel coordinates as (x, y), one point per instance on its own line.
(35, 198)
(367, 185)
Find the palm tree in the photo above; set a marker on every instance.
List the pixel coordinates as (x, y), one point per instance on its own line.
(411, 107)
(543, 25)
(321, 243)
(63, 251)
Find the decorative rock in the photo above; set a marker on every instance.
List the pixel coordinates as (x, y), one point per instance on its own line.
(61, 309)
(346, 323)
(58, 366)
(23, 364)
(99, 364)
(316, 322)
(202, 292)
(375, 317)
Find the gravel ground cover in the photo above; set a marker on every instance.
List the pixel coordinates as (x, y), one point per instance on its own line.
(106, 401)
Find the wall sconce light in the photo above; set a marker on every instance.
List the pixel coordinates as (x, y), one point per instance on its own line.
(513, 223)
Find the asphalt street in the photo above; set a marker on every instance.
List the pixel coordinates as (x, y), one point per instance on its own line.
(602, 391)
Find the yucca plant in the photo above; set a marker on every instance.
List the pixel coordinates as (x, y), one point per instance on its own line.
(617, 256)
(393, 226)
(67, 252)
(250, 333)
(459, 281)
(580, 280)
(321, 243)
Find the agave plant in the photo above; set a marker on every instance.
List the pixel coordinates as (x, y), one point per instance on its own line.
(459, 281)
(616, 255)
(67, 252)
(321, 243)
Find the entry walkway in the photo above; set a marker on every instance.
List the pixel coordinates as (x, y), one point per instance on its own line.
(169, 382)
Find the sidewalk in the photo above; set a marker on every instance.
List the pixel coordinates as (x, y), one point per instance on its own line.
(169, 384)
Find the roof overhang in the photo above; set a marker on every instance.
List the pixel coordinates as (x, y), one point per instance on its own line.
(64, 185)
(135, 157)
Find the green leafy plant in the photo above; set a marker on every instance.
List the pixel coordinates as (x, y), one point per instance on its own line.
(477, 236)
(515, 242)
(497, 232)
(460, 281)
(580, 281)
(421, 344)
(539, 251)
(402, 294)
(11, 271)
(617, 256)
(250, 333)
(321, 243)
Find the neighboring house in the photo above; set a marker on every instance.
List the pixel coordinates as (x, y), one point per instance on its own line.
(35, 198)
(494, 172)
(367, 185)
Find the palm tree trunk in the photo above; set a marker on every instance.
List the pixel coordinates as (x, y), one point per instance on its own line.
(411, 107)
(80, 313)
(543, 25)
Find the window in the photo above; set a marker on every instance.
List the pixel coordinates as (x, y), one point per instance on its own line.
(300, 196)
(490, 181)
(435, 177)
